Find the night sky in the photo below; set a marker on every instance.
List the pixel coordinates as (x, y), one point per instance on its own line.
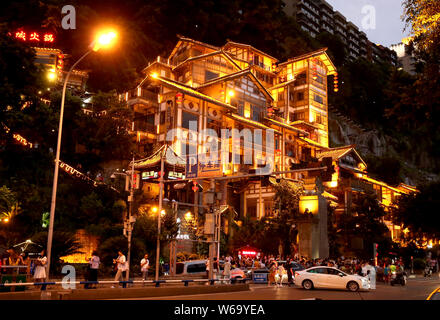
(389, 26)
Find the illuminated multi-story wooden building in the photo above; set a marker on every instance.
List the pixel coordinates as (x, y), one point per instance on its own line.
(240, 87)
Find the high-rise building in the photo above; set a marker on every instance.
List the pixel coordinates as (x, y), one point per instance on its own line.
(406, 59)
(316, 16)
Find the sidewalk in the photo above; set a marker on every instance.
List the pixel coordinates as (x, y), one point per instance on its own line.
(121, 293)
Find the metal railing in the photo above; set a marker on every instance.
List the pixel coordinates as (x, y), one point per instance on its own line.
(123, 283)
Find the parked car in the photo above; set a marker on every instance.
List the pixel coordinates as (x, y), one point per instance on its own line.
(191, 268)
(330, 278)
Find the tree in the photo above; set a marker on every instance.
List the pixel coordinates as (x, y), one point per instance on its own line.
(418, 213)
(63, 244)
(8, 203)
(423, 16)
(358, 230)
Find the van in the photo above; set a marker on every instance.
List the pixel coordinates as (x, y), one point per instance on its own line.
(191, 268)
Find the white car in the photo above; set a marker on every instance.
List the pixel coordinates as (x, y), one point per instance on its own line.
(330, 278)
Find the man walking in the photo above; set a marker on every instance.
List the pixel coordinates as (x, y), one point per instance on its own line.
(121, 265)
(145, 265)
(289, 270)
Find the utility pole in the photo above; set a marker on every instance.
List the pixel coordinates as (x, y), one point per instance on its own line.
(130, 219)
(173, 244)
(212, 233)
(162, 173)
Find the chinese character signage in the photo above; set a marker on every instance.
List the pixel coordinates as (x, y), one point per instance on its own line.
(191, 167)
(149, 175)
(34, 37)
(196, 169)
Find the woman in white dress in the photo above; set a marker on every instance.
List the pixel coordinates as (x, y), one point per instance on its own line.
(40, 269)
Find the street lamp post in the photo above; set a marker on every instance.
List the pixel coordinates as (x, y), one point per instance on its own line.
(129, 220)
(103, 40)
(162, 173)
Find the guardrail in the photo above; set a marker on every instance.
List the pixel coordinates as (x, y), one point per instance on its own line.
(123, 283)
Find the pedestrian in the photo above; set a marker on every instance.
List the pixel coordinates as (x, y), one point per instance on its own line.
(272, 273)
(121, 264)
(207, 268)
(289, 270)
(40, 269)
(386, 274)
(281, 272)
(25, 260)
(372, 277)
(215, 268)
(94, 263)
(227, 270)
(145, 265)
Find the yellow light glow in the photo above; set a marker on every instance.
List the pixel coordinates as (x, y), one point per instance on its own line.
(154, 209)
(162, 213)
(154, 75)
(104, 39)
(311, 117)
(309, 202)
(51, 75)
(334, 184)
(231, 93)
(188, 215)
(6, 220)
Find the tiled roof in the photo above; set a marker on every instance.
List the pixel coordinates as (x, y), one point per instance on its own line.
(250, 122)
(232, 43)
(321, 54)
(191, 92)
(313, 143)
(238, 75)
(171, 158)
(337, 153)
(221, 52)
(286, 126)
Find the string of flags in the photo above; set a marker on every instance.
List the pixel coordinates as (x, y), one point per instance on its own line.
(63, 165)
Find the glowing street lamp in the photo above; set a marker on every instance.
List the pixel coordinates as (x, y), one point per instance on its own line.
(162, 213)
(188, 215)
(103, 40)
(51, 75)
(154, 209)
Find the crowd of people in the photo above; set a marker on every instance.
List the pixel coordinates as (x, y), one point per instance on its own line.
(276, 266)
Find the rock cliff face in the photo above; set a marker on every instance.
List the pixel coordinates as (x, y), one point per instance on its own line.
(416, 164)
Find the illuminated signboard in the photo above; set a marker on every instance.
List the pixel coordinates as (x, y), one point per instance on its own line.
(149, 175)
(248, 253)
(176, 175)
(33, 36)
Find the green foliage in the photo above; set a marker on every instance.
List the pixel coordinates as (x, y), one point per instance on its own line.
(286, 198)
(418, 213)
(365, 222)
(8, 203)
(63, 244)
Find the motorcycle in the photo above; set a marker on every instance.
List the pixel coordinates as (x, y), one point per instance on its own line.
(428, 271)
(398, 278)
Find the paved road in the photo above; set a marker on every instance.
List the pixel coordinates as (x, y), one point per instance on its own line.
(417, 289)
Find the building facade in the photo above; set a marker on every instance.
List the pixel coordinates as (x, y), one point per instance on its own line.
(262, 114)
(316, 16)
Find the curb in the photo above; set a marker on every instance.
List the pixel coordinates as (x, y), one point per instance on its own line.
(122, 293)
